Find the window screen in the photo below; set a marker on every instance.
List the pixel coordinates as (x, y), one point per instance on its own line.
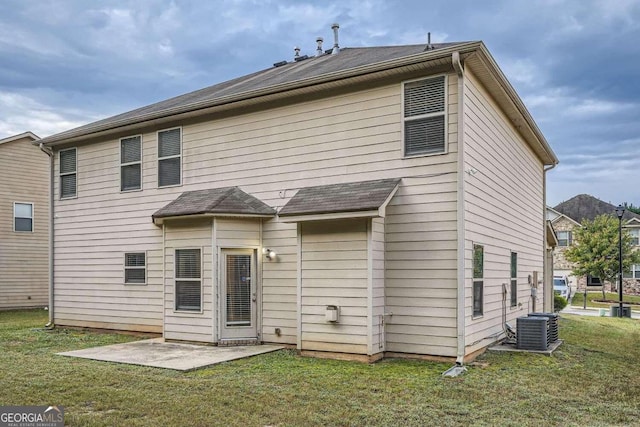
(188, 265)
(169, 157)
(424, 116)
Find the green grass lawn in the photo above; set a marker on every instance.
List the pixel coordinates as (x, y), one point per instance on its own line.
(578, 300)
(593, 379)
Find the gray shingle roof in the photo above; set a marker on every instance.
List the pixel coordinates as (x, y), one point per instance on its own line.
(227, 200)
(309, 69)
(349, 197)
(585, 206)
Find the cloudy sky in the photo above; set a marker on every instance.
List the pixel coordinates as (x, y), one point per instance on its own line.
(575, 63)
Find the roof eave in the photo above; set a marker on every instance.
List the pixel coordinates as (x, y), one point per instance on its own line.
(207, 107)
(161, 220)
(529, 128)
(23, 135)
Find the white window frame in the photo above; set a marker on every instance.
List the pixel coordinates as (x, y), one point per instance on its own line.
(169, 157)
(445, 113)
(632, 273)
(33, 225)
(474, 279)
(146, 277)
(134, 163)
(569, 238)
(636, 231)
(175, 279)
(75, 172)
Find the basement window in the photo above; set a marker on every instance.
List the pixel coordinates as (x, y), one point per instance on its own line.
(135, 268)
(131, 163)
(169, 157)
(478, 280)
(424, 118)
(188, 277)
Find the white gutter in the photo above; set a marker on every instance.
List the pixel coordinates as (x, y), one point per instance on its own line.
(49, 153)
(461, 315)
(547, 302)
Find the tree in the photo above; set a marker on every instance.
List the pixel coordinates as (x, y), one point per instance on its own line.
(630, 207)
(596, 249)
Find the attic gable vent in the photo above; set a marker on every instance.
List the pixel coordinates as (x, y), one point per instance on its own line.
(424, 116)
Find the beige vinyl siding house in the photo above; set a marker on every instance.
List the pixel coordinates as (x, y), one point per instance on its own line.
(24, 231)
(307, 161)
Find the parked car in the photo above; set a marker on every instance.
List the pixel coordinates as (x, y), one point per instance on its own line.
(561, 287)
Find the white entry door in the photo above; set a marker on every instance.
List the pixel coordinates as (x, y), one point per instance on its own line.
(238, 294)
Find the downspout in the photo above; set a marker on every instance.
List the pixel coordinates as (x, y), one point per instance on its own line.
(49, 153)
(461, 312)
(547, 302)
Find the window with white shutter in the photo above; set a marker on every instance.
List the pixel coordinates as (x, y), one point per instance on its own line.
(424, 117)
(169, 157)
(135, 268)
(68, 173)
(188, 274)
(131, 163)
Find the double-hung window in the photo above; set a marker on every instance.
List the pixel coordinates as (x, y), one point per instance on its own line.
(424, 116)
(478, 280)
(635, 236)
(565, 238)
(514, 279)
(188, 274)
(169, 157)
(68, 173)
(23, 217)
(135, 268)
(131, 163)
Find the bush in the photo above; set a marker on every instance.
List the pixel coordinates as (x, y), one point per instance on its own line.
(559, 303)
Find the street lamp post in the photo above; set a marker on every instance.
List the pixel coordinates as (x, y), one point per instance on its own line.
(620, 213)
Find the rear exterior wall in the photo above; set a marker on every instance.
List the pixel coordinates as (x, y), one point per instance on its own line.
(270, 154)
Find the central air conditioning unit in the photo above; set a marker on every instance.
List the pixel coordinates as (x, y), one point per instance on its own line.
(532, 333)
(552, 330)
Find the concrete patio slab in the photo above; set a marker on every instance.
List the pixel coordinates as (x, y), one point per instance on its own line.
(512, 348)
(169, 355)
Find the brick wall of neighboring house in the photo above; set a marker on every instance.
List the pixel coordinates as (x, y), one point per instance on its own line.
(631, 286)
(559, 261)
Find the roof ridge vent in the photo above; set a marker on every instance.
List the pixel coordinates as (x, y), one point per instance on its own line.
(336, 48)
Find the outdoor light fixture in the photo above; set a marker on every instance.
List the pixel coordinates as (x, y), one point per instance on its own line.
(269, 254)
(620, 213)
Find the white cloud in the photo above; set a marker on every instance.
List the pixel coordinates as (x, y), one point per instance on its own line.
(20, 113)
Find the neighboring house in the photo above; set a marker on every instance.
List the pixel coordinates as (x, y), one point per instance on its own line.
(398, 190)
(24, 223)
(568, 215)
